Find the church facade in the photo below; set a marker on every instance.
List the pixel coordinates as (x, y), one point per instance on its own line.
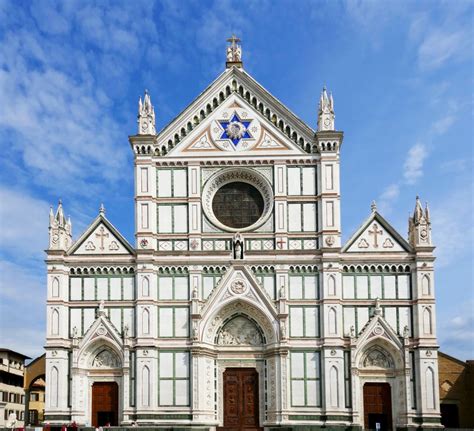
(239, 307)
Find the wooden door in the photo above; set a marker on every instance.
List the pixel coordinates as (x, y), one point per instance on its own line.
(377, 406)
(104, 404)
(241, 410)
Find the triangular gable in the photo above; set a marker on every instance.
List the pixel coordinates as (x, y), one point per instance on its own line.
(234, 81)
(376, 235)
(255, 133)
(238, 282)
(102, 327)
(101, 238)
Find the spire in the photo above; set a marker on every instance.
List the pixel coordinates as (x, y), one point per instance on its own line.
(146, 116)
(51, 216)
(233, 52)
(419, 226)
(60, 229)
(326, 111)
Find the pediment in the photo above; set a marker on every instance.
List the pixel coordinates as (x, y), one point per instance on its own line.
(101, 333)
(378, 327)
(376, 235)
(101, 238)
(234, 85)
(239, 285)
(235, 128)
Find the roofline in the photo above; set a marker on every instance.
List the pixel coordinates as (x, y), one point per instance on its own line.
(36, 360)
(452, 358)
(304, 129)
(15, 353)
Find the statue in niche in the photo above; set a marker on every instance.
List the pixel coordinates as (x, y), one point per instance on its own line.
(377, 358)
(240, 331)
(238, 246)
(106, 359)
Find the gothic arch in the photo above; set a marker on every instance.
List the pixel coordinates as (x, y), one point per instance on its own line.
(89, 351)
(145, 321)
(55, 287)
(427, 321)
(426, 285)
(331, 285)
(54, 385)
(145, 286)
(377, 357)
(55, 322)
(332, 320)
(215, 321)
(430, 388)
(240, 330)
(334, 386)
(146, 386)
(105, 358)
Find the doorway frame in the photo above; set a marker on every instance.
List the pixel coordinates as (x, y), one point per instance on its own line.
(105, 379)
(391, 400)
(253, 363)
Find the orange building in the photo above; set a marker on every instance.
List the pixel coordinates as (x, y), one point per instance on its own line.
(456, 391)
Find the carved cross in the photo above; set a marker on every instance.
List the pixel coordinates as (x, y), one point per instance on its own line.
(102, 234)
(375, 232)
(280, 243)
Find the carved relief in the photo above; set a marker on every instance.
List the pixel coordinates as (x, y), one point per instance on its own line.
(377, 358)
(388, 243)
(240, 331)
(106, 359)
(363, 243)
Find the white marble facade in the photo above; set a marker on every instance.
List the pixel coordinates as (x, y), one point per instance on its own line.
(316, 318)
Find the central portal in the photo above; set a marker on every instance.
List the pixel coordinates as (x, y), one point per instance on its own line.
(104, 404)
(377, 406)
(241, 410)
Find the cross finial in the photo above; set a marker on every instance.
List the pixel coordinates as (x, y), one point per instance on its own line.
(373, 206)
(234, 52)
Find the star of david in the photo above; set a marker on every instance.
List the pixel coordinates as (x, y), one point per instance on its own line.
(235, 129)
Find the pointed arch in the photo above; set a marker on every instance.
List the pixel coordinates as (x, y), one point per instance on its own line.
(331, 285)
(145, 286)
(332, 320)
(427, 321)
(430, 388)
(55, 322)
(426, 285)
(145, 386)
(55, 288)
(334, 387)
(54, 387)
(145, 321)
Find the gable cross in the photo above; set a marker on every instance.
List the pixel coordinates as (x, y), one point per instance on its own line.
(375, 232)
(102, 235)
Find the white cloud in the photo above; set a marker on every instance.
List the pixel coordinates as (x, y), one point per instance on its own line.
(387, 198)
(413, 166)
(456, 334)
(452, 226)
(23, 224)
(439, 46)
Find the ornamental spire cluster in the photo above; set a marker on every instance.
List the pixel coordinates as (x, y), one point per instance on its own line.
(419, 225)
(60, 229)
(326, 114)
(146, 116)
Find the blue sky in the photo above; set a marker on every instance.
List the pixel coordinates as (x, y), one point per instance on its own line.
(71, 73)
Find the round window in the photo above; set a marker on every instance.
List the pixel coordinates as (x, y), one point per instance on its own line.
(237, 199)
(238, 205)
